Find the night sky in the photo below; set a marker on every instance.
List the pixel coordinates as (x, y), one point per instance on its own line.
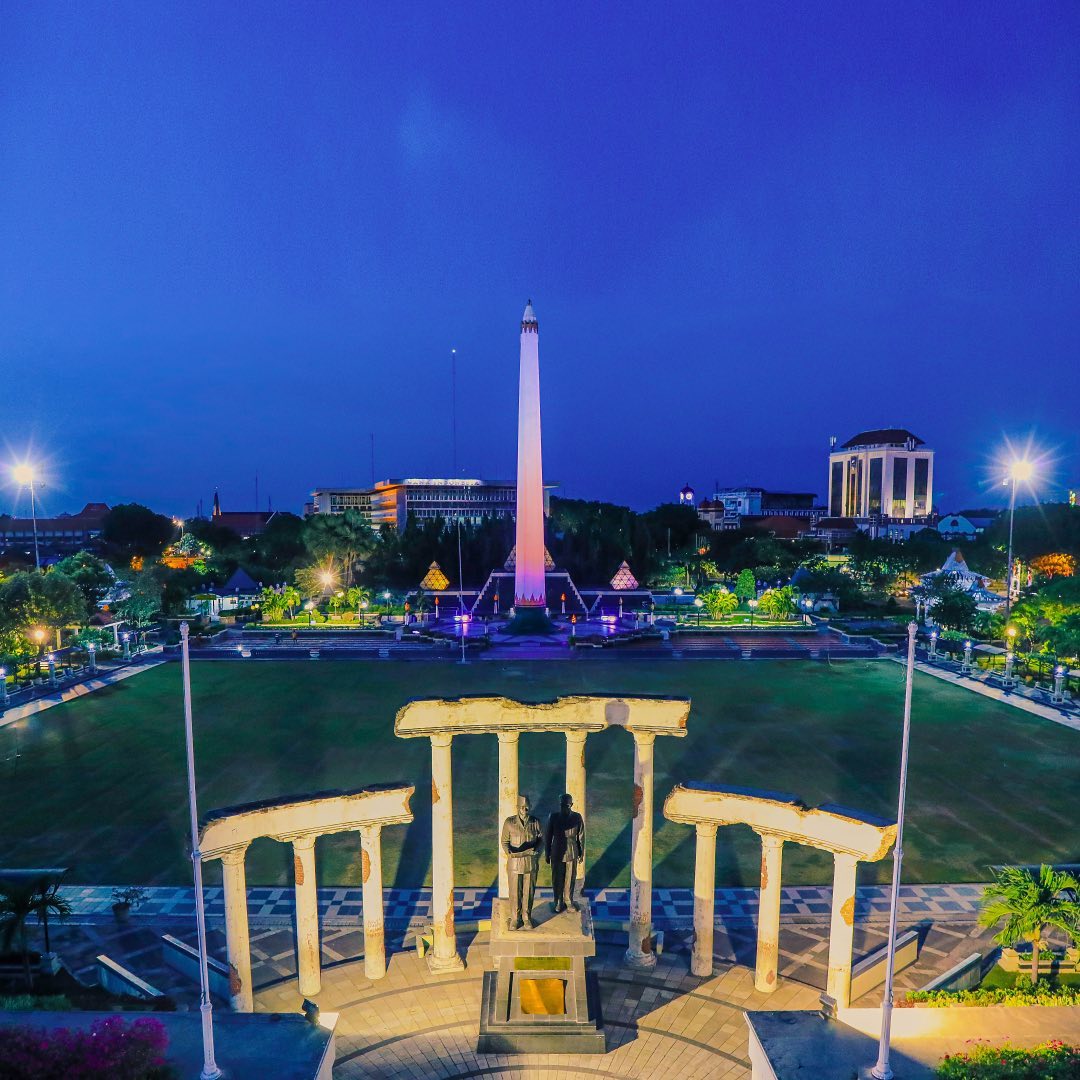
(243, 237)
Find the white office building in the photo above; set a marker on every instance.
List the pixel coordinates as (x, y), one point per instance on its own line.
(881, 475)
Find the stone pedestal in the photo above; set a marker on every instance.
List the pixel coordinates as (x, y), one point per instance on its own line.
(539, 1000)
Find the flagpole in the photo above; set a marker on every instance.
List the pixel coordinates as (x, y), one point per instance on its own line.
(210, 1070)
(881, 1070)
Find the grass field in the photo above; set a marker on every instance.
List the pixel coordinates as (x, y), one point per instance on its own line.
(99, 784)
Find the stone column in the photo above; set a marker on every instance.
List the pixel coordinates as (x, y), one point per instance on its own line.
(639, 952)
(701, 956)
(508, 793)
(575, 787)
(842, 929)
(237, 938)
(444, 954)
(768, 931)
(372, 885)
(308, 967)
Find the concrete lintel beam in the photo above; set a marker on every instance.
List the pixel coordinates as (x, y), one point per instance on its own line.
(490, 715)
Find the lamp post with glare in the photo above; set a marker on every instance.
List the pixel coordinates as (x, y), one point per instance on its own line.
(24, 476)
(699, 604)
(752, 605)
(1020, 471)
(1057, 697)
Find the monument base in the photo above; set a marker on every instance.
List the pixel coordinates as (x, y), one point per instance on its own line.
(530, 620)
(539, 999)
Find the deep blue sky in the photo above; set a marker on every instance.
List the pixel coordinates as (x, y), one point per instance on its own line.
(240, 237)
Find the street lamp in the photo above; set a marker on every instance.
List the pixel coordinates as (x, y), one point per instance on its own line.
(752, 605)
(1020, 471)
(363, 607)
(25, 476)
(386, 597)
(308, 608)
(699, 604)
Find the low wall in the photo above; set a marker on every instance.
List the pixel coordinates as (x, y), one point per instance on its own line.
(117, 979)
(870, 970)
(963, 976)
(184, 958)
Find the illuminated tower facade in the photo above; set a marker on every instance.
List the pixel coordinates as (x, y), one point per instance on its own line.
(529, 581)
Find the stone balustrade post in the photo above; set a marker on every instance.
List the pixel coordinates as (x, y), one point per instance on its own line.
(508, 793)
(701, 956)
(575, 788)
(768, 932)
(371, 880)
(639, 952)
(308, 966)
(237, 936)
(444, 955)
(842, 928)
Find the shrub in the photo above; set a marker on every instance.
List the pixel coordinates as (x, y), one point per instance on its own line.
(29, 1002)
(110, 1048)
(1051, 1061)
(1023, 993)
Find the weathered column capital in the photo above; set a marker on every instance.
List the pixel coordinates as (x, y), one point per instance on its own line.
(441, 739)
(234, 856)
(303, 841)
(845, 859)
(370, 834)
(509, 738)
(770, 840)
(643, 738)
(706, 829)
(576, 736)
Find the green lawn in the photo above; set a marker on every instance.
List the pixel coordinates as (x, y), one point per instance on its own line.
(99, 784)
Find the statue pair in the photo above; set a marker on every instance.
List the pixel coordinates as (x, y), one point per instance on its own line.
(564, 848)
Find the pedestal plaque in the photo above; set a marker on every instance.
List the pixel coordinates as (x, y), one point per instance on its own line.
(539, 1000)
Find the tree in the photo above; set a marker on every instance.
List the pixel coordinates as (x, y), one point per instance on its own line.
(33, 599)
(133, 530)
(778, 603)
(746, 585)
(719, 602)
(1058, 564)
(955, 609)
(293, 598)
(1028, 905)
(19, 900)
(272, 604)
(90, 574)
(144, 600)
(345, 539)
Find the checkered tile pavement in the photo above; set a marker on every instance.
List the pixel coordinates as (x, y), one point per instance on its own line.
(671, 907)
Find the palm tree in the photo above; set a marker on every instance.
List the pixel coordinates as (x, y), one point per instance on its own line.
(291, 595)
(1029, 904)
(18, 901)
(48, 899)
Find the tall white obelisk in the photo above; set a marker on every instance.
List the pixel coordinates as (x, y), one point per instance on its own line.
(529, 581)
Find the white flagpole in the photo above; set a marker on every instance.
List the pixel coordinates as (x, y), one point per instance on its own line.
(210, 1071)
(881, 1070)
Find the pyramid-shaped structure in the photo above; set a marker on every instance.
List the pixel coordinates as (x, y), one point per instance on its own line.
(511, 559)
(435, 579)
(624, 578)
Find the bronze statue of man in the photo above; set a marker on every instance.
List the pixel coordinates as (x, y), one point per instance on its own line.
(521, 841)
(564, 849)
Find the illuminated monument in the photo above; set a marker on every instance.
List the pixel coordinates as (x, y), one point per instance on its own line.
(530, 581)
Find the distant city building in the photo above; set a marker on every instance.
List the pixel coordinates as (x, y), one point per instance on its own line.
(390, 502)
(686, 496)
(245, 523)
(65, 532)
(882, 475)
(742, 507)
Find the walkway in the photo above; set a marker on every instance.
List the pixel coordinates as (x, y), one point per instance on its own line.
(77, 690)
(1021, 697)
(672, 908)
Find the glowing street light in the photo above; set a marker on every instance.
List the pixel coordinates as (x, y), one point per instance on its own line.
(699, 604)
(752, 605)
(24, 476)
(1021, 471)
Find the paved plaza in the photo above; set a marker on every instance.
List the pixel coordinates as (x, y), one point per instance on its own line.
(412, 1024)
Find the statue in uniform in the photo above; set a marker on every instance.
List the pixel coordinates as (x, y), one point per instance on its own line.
(564, 849)
(521, 842)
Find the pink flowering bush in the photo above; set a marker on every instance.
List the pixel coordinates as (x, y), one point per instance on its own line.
(1051, 1061)
(111, 1048)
